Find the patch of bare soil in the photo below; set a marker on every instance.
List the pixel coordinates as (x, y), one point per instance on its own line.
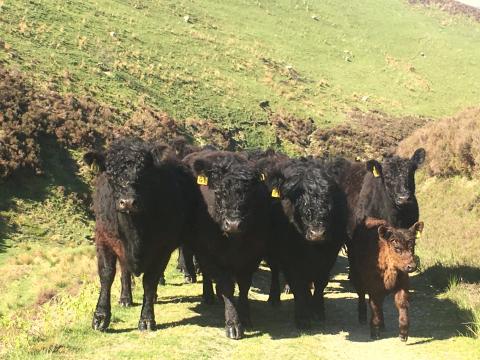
(364, 135)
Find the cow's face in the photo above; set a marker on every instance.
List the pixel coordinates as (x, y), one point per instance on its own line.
(401, 245)
(308, 195)
(398, 176)
(130, 169)
(236, 188)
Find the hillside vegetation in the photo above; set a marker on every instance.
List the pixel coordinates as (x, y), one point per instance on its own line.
(218, 60)
(342, 78)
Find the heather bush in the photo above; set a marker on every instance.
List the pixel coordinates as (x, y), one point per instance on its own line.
(452, 144)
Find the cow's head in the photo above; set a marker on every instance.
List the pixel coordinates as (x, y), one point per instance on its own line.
(307, 195)
(398, 175)
(237, 186)
(129, 165)
(401, 245)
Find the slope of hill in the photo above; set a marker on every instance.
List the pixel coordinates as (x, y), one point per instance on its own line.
(218, 60)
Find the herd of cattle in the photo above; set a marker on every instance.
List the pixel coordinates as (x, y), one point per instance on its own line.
(234, 209)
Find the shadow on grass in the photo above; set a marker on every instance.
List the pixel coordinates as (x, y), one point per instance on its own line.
(432, 318)
(60, 171)
(439, 276)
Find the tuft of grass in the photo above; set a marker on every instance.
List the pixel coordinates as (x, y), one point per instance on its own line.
(467, 295)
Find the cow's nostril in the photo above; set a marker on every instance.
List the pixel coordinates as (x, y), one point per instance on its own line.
(411, 268)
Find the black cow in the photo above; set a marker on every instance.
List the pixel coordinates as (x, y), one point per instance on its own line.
(186, 261)
(309, 221)
(383, 190)
(144, 203)
(232, 229)
(388, 190)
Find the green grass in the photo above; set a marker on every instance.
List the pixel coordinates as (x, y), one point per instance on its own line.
(233, 54)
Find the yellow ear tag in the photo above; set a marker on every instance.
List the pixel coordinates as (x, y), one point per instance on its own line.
(202, 180)
(275, 193)
(358, 158)
(418, 235)
(262, 177)
(375, 172)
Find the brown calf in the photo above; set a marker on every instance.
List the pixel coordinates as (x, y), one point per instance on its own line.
(381, 257)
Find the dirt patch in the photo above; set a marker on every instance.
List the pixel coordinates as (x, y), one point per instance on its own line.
(45, 296)
(451, 6)
(364, 135)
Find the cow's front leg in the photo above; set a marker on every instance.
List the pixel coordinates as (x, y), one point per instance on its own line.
(150, 284)
(402, 304)
(274, 295)
(362, 308)
(302, 298)
(376, 322)
(126, 293)
(244, 284)
(318, 298)
(233, 326)
(106, 260)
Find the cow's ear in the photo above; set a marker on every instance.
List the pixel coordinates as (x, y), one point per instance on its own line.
(385, 233)
(161, 152)
(180, 144)
(95, 159)
(419, 156)
(417, 228)
(269, 152)
(202, 166)
(374, 167)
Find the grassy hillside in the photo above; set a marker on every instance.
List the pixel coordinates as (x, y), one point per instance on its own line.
(218, 60)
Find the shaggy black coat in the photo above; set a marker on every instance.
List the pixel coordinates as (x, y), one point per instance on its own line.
(144, 202)
(233, 229)
(186, 261)
(309, 228)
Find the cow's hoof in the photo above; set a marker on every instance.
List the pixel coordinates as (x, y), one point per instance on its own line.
(274, 301)
(162, 281)
(100, 321)
(125, 302)
(403, 337)
(144, 325)
(234, 331)
(375, 333)
(189, 279)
